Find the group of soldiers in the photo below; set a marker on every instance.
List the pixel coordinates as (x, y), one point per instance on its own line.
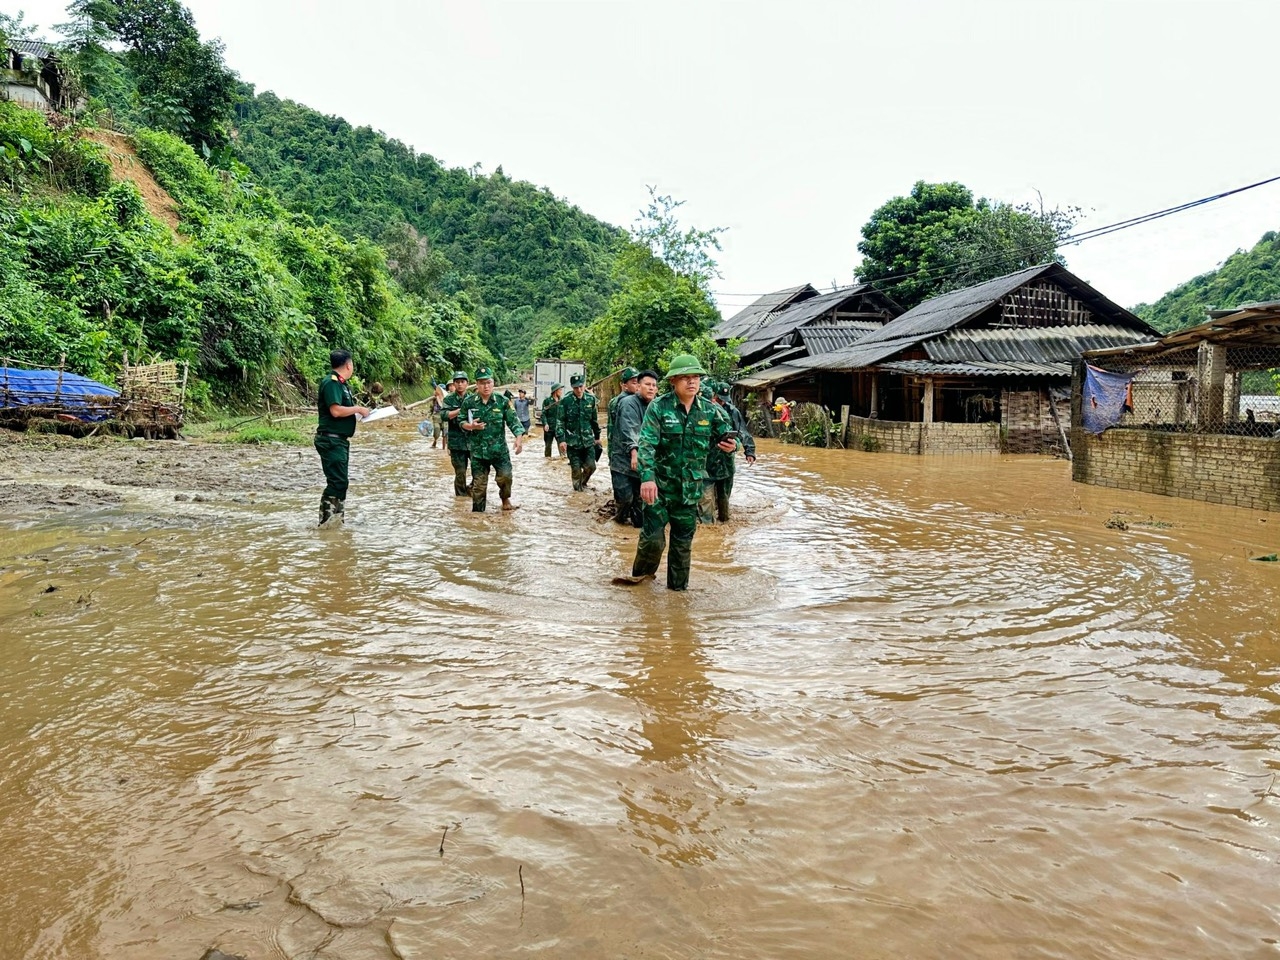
(671, 457)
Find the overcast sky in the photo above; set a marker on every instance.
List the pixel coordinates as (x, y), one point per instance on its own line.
(790, 122)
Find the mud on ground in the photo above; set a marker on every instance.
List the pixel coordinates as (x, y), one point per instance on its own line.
(38, 474)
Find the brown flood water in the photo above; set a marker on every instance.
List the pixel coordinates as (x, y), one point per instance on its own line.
(911, 708)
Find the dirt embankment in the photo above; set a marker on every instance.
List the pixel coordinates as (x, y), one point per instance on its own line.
(126, 165)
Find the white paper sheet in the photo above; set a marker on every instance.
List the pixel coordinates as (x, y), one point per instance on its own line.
(380, 414)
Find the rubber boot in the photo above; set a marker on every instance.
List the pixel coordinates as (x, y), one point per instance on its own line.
(326, 510)
(339, 509)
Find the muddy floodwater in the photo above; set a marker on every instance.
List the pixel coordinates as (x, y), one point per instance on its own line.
(911, 707)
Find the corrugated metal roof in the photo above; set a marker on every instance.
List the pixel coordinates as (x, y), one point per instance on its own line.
(31, 48)
(978, 368)
(825, 337)
(783, 371)
(1034, 344)
(750, 317)
(950, 310)
(796, 316)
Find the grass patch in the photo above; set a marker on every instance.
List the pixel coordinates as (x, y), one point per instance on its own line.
(231, 429)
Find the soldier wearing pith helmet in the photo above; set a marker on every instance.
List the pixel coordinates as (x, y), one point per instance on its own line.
(459, 440)
(619, 455)
(678, 430)
(578, 429)
(486, 418)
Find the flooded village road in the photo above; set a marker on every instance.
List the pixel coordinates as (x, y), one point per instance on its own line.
(910, 708)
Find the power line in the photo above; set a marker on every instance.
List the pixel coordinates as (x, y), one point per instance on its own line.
(1067, 241)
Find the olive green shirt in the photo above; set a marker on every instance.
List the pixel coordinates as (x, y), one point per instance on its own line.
(333, 390)
(459, 439)
(674, 443)
(491, 442)
(578, 421)
(720, 464)
(550, 406)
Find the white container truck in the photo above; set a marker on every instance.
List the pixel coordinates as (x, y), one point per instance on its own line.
(547, 372)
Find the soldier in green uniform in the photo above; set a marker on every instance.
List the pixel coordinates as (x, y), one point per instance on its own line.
(485, 416)
(337, 411)
(677, 431)
(721, 465)
(578, 429)
(459, 440)
(550, 407)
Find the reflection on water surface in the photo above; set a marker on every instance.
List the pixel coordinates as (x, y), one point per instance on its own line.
(912, 707)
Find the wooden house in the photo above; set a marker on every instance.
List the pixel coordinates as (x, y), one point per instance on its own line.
(982, 369)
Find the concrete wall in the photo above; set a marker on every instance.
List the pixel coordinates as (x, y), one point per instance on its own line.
(1242, 471)
(894, 436)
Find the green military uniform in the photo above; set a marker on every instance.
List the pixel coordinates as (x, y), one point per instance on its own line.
(578, 427)
(673, 454)
(333, 443)
(489, 446)
(459, 441)
(550, 407)
(721, 465)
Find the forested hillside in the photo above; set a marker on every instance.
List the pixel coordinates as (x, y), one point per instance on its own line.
(250, 294)
(1247, 276)
(529, 260)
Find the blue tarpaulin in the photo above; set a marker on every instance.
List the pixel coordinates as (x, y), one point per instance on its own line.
(75, 394)
(1106, 397)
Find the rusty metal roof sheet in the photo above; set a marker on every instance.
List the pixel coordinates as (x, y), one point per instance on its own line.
(1031, 345)
(978, 368)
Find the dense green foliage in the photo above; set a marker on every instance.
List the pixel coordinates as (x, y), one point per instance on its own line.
(529, 260)
(170, 80)
(251, 293)
(938, 238)
(661, 300)
(1247, 276)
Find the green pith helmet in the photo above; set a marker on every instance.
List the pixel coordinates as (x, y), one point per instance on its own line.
(459, 375)
(483, 373)
(577, 380)
(724, 389)
(557, 386)
(629, 373)
(683, 365)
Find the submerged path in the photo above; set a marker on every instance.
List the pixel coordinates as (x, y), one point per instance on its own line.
(911, 707)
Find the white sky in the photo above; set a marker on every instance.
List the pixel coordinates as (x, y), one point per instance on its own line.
(790, 122)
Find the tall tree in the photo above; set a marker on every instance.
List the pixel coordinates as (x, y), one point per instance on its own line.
(185, 87)
(937, 238)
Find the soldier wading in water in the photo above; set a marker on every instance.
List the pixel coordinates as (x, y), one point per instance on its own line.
(486, 418)
(678, 430)
(338, 411)
(459, 440)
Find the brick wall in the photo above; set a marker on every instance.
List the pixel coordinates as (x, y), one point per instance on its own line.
(1242, 471)
(894, 436)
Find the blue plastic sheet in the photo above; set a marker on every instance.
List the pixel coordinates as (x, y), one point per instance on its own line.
(21, 388)
(1106, 398)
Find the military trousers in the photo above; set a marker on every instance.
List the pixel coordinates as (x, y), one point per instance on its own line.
(548, 441)
(460, 459)
(335, 455)
(626, 498)
(480, 480)
(683, 520)
(714, 505)
(582, 464)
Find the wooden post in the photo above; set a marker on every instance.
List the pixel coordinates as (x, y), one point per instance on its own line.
(928, 400)
(874, 412)
(62, 364)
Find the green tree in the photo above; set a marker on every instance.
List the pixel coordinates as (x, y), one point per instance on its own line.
(937, 238)
(184, 86)
(687, 251)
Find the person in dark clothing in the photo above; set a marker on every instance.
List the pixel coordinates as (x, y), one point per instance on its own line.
(337, 412)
